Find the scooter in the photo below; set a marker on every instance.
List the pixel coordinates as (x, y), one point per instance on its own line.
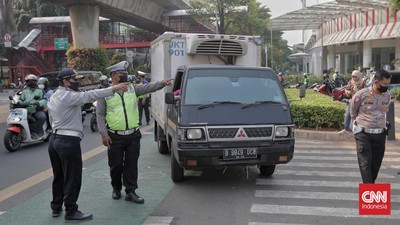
(338, 94)
(18, 131)
(93, 120)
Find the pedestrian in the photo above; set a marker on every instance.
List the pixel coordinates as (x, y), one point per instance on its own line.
(33, 95)
(336, 79)
(368, 110)
(143, 102)
(281, 78)
(118, 123)
(306, 81)
(64, 109)
(351, 88)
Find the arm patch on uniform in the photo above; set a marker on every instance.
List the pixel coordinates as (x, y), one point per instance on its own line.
(357, 99)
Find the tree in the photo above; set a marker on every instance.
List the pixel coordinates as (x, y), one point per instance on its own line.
(231, 16)
(395, 5)
(7, 24)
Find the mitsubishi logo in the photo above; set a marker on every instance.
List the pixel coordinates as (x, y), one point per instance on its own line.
(241, 133)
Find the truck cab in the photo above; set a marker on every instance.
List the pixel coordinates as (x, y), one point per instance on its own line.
(229, 110)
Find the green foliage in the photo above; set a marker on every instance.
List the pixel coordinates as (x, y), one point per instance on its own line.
(116, 58)
(395, 93)
(231, 16)
(315, 110)
(87, 59)
(395, 6)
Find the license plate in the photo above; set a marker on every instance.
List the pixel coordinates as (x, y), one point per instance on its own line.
(239, 153)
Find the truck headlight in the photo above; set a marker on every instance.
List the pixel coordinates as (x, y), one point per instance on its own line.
(194, 134)
(281, 131)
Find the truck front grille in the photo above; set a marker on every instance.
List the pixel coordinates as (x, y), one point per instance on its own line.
(258, 132)
(222, 132)
(240, 133)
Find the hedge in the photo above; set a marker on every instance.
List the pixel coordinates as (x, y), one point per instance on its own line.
(315, 110)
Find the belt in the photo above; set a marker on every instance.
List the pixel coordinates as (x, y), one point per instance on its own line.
(374, 131)
(69, 133)
(124, 132)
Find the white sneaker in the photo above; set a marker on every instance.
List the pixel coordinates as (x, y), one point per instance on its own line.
(344, 131)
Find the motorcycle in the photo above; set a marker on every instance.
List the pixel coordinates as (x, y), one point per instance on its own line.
(18, 131)
(338, 94)
(93, 120)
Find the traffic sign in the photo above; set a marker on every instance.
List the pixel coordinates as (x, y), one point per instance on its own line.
(60, 43)
(7, 37)
(7, 44)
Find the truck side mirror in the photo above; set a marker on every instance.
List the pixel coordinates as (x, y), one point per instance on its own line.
(169, 98)
(302, 91)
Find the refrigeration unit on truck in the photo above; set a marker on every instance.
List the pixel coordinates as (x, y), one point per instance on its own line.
(230, 111)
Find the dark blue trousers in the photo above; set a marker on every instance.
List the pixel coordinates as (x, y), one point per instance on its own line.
(123, 156)
(66, 161)
(370, 152)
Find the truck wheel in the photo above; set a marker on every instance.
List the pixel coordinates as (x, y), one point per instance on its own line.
(176, 170)
(267, 170)
(162, 147)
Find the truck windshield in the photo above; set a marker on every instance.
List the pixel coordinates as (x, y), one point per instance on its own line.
(244, 86)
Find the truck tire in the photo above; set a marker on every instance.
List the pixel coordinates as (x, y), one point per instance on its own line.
(162, 147)
(176, 170)
(267, 170)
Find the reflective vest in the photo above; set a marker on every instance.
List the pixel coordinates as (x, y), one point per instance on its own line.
(121, 111)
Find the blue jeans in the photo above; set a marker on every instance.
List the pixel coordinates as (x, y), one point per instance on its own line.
(347, 118)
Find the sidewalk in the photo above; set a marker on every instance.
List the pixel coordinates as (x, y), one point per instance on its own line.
(95, 195)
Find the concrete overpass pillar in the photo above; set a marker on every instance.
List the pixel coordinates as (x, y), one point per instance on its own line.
(367, 53)
(85, 25)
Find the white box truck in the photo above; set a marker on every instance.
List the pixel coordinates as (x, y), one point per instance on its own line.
(229, 111)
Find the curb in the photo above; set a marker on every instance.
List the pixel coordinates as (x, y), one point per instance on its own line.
(328, 135)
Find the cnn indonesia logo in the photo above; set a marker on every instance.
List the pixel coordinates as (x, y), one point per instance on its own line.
(374, 199)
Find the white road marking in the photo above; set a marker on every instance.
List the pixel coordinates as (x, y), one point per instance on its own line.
(158, 220)
(317, 183)
(315, 211)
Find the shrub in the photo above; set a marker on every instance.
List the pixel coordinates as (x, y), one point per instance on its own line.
(395, 92)
(315, 110)
(87, 59)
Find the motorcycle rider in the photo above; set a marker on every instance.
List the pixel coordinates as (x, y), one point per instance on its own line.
(43, 84)
(104, 82)
(336, 80)
(32, 95)
(328, 84)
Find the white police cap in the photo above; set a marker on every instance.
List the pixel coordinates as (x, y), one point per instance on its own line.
(121, 66)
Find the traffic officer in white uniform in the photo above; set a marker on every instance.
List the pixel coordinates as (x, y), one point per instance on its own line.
(368, 110)
(118, 123)
(65, 116)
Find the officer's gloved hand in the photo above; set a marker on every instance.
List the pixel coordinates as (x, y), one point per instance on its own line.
(36, 104)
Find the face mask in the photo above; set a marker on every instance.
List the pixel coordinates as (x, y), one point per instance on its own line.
(383, 89)
(356, 79)
(31, 84)
(41, 86)
(74, 86)
(123, 79)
